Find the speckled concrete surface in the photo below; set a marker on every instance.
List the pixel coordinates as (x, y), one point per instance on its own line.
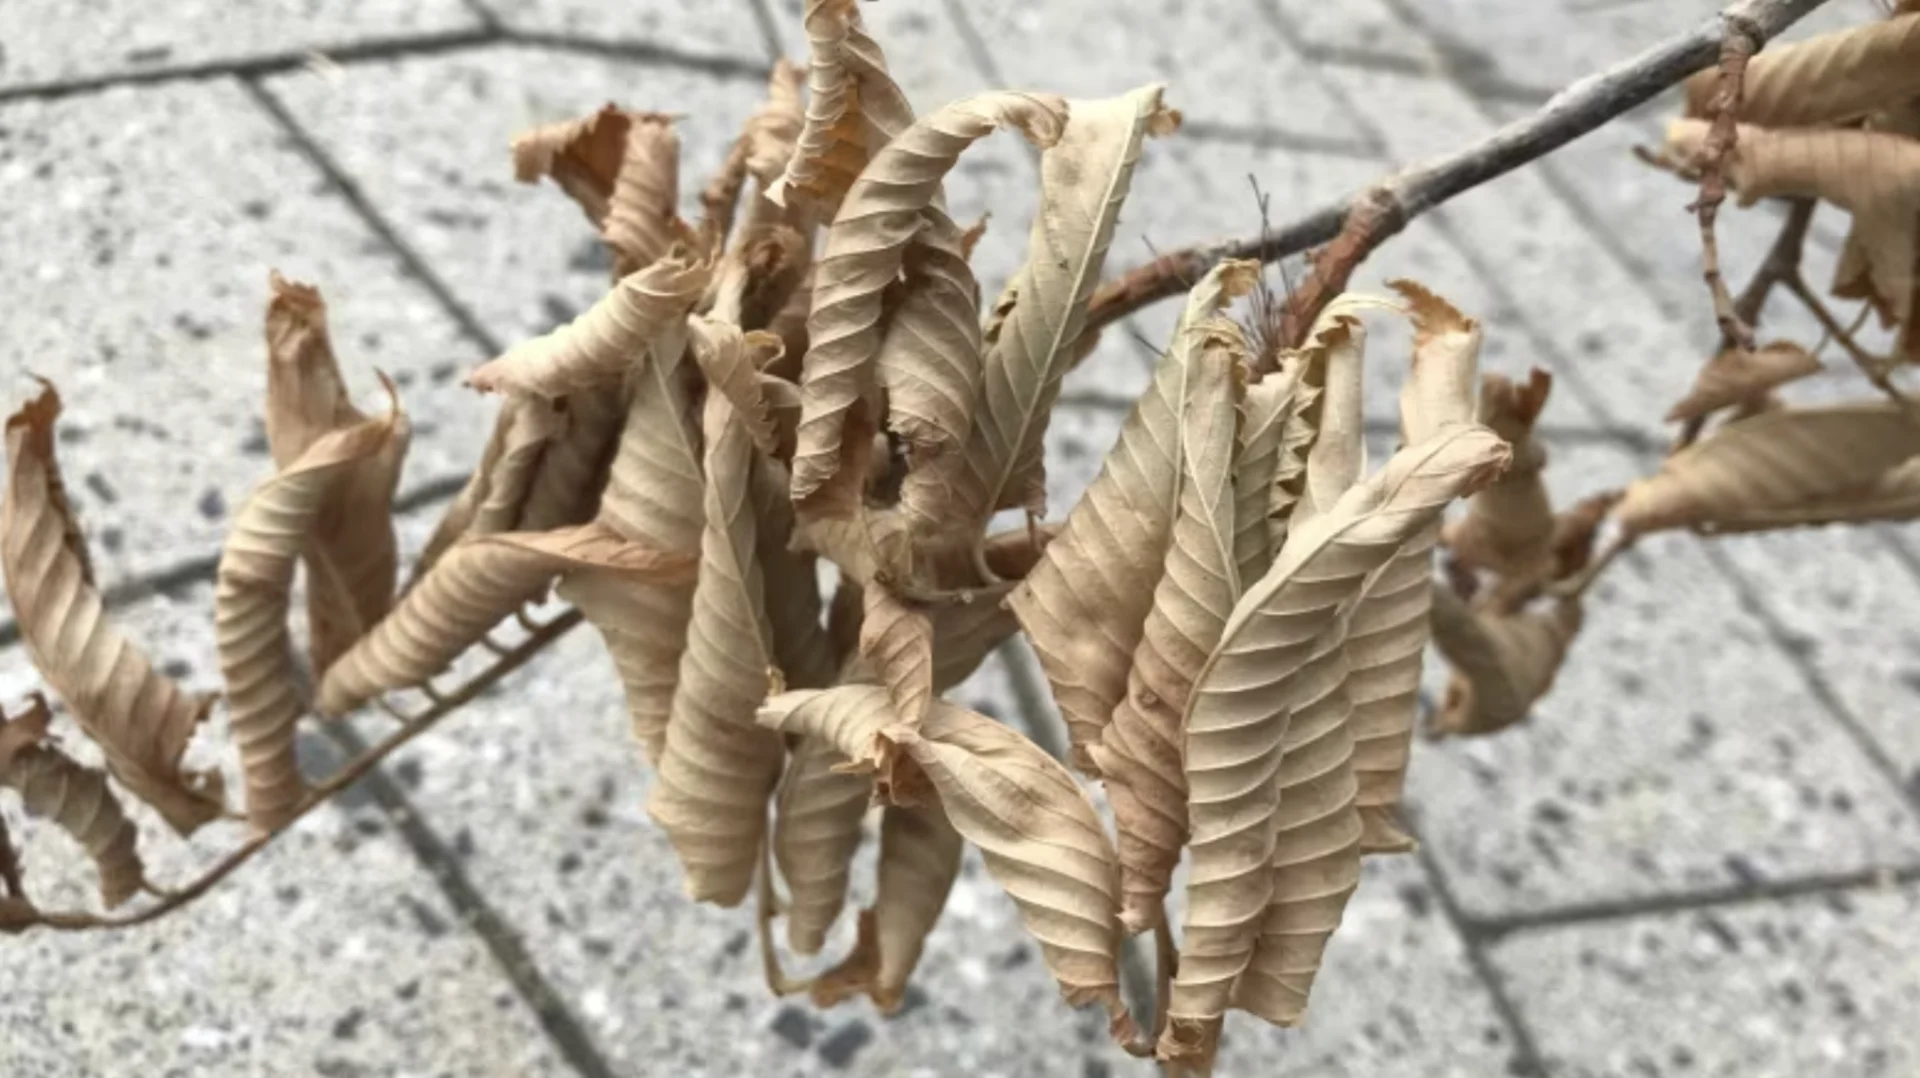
(1698, 858)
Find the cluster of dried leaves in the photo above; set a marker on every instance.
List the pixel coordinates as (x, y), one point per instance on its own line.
(1232, 618)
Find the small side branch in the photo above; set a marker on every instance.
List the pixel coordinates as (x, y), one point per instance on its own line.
(1573, 112)
(1740, 43)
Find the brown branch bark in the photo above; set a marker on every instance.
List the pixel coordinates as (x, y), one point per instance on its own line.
(19, 915)
(1573, 112)
(1741, 42)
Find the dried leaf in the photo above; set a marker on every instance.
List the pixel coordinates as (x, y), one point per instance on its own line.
(1508, 527)
(1256, 466)
(1769, 462)
(919, 859)
(1733, 376)
(929, 357)
(1083, 181)
(351, 558)
(1895, 495)
(1829, 79)
(800, 644)
(815, 833)
(1502, 663)
(479, 581)
(269, 535)
(574, 467)
(849, 717)
(897, 638)
(853, 108)
(1387, 636)
(606, 343)
(1041, 840)
(583, 156)
(1339, 452)
(1138, 754)
(139, 717)
(495, 495)
(1238, 720)
(654, 488)
(1085, 605)
(732, 362)
(719, 768)
(641, 213)
(77, 799)
(879, 218)
(774, 128)
(1308, 369)
(1873, 175)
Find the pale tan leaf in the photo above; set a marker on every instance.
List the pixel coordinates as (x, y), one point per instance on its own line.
(879, 218)
(1387, 636)
(1307, 368)
(896, 636)
(919, 860)
(853, 108)
(1256, 465)
(719, 767)
(1085, 605)
(76, 799)
(929, 357)
(1895, 496)
(816, 830)
(1508, 527)
(774, 128)
(532, 425)
(606, 343)
(1833, 78)
(352, 560)
(1084, 180)
(1339, 452)
(640, 213)
(800, 645)
(583, 156)
(1874, 175)
(1772, 461)
(573, 468)
(264, 685)
(1502, 663)
(1041, 840)
(757, 278)
(1733, 376)
(1238, 720)
(139, 717)
(848, 717)
(479, 581)
(731, 362)
(655, 491)
(1138, 754)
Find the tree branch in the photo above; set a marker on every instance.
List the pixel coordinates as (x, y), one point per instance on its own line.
(1400, 198)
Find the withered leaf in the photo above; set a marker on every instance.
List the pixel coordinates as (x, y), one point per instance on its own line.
(864, 251)
(774, 128)
(1895, 495)
(849, 717)
(897, 638)
(929, 357)
(640, 215)
(816, 830)
(1508, 527)
(1138, 754)
(583, 156)
(77, 799)
(139, 717)
(1829, 79)
(1041, 840)
(351, 558)
(496, 494)
(1733, 376)
(1307, 368)
(1084, 180)
(1339, 451)
(719, 768)
(732, 361)
(1085, 604)
(479, 581)
(607, 342)
(1256, 466)
(1772, 461)
(1874, 175)
(800, 644)
(1387, 637)
(1502, 663)
(269, 535)
(853, 108)
(1238, 719)
(919, 860)
(573, 468)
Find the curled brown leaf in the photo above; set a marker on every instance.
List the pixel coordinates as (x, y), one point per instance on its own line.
(76, 799)
(1503, 663)
(641, 212)
(919, 860)
(1733, 376)
(816, 829)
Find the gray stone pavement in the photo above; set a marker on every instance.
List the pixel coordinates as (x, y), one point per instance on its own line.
(1701, 856)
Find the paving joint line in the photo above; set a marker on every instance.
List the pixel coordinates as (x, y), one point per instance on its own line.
(1274, 138)
(502, 940)
(376, 49)
(769, 29)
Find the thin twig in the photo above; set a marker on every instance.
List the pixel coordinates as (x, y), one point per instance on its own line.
(1738, 47)
(766, 906)
(1376, 215)
(1874, 367)
(447, 704)
(1573, 112)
